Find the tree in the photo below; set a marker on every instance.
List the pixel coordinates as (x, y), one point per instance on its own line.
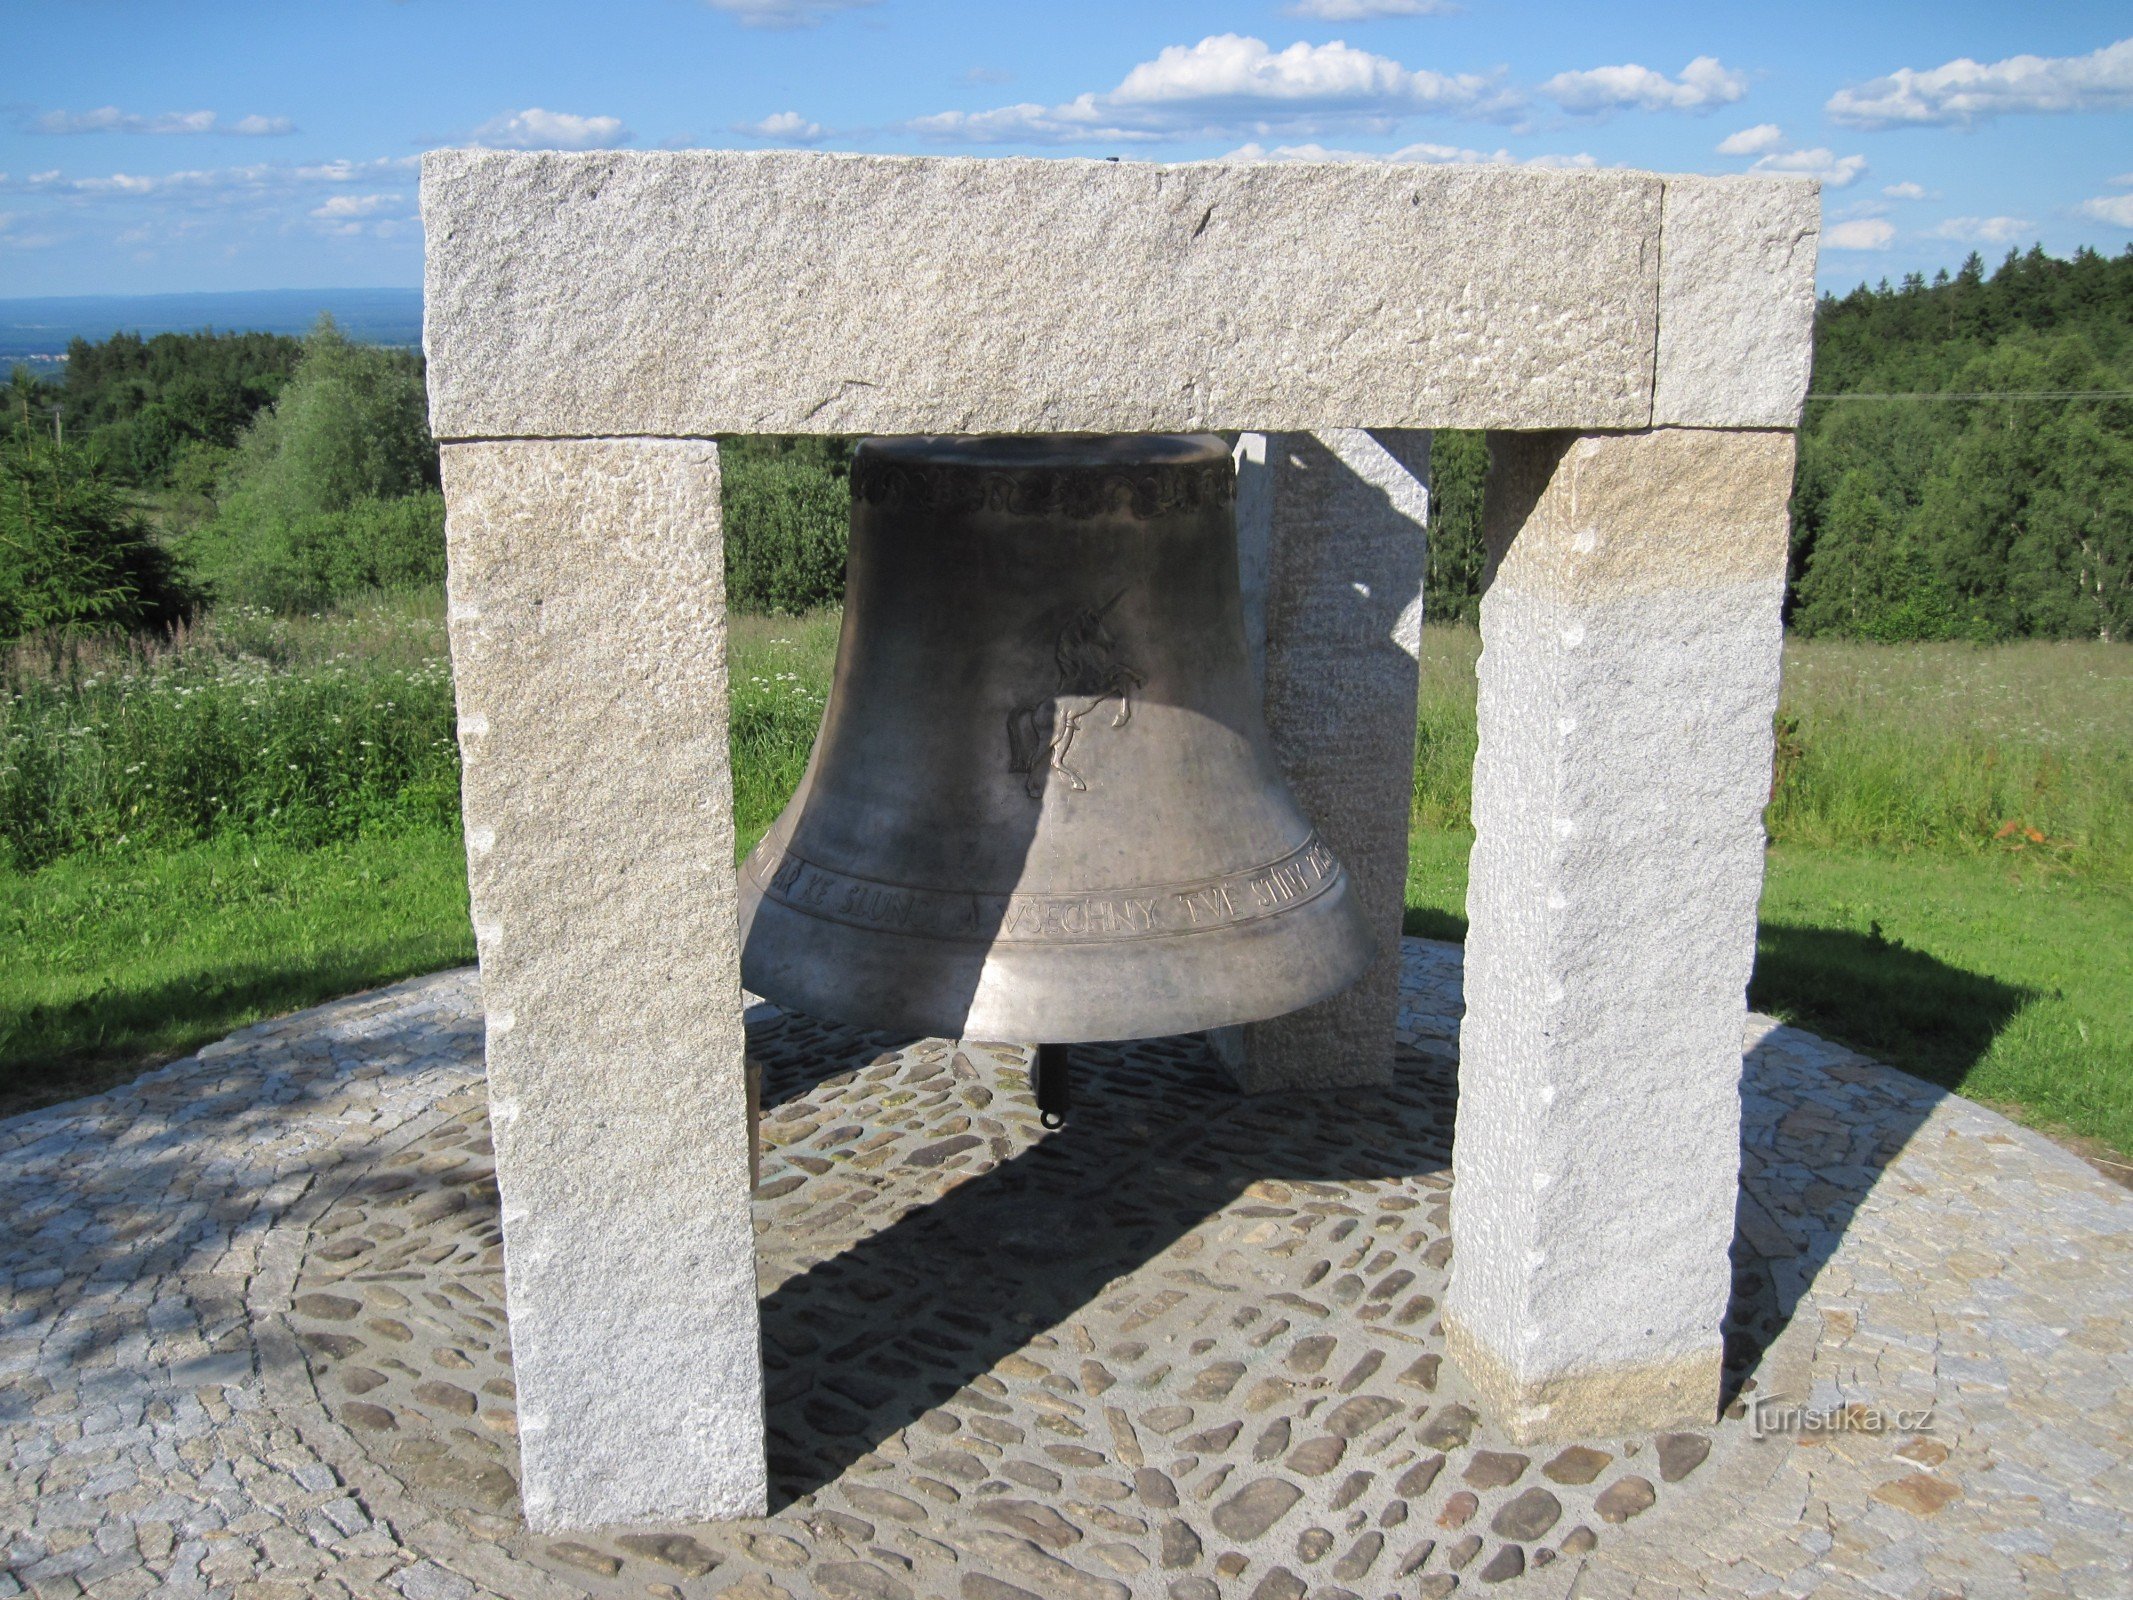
(1935, 515)
(331, 489)
(73, 559)
(351, 425)
(1458, 471)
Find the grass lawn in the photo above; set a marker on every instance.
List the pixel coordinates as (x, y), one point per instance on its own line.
(2001, 977)
(119, 961)
(2005, 979)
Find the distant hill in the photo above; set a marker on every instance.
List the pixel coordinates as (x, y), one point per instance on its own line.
(35, 332)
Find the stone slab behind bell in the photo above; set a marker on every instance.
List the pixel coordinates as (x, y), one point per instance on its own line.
(587, 616)
(1629, 673)
(1332, 532)
(703, 292)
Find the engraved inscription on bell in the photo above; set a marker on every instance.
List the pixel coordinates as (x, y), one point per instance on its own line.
(1042, 804)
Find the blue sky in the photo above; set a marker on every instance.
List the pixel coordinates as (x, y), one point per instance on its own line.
(210, 145)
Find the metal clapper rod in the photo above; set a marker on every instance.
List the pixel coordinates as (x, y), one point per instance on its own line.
(1048, 1077)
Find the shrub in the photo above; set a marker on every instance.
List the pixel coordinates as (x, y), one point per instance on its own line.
(308, 560)
(787, 512)
(74, 559)
(331, 491)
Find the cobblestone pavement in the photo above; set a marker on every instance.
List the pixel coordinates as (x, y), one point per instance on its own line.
(252, 1340)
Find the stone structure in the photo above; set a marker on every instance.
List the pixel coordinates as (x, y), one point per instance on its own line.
(593, 320)
(1331, 538)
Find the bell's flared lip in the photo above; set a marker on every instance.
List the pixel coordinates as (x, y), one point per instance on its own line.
(1058, 994)
(1015, 450)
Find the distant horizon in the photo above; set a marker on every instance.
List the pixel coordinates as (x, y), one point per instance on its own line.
(36, 329)
(205, 294)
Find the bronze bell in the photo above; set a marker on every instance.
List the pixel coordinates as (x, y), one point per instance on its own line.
(1042, 805)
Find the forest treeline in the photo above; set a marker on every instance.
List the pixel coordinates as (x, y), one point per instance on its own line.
(1965, 472)
(1965, 467)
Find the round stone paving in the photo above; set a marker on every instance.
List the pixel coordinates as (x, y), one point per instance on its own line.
(254, 1340)
(1188, 1344)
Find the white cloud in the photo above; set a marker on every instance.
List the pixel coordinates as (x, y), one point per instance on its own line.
(2116, 209)
(348, 215)
(535, 129)
(1704, 85)
(1964, 92)
(784, 13)
(1079, 122)
(786, 127)
(1232, 67)
(1230, 84)
(1413, 154)
(1869, 233)
(342, 206)
(210, 184)
(1752, 141)
(1838, 172)
(109, 119)
(1906, 191)
(1367, 10)
(1985, 230)
(13, 239)
(1766, 142)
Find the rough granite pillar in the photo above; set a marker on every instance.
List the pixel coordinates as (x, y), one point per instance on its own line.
(587, 605)
(1332, 545)
(1629, 672)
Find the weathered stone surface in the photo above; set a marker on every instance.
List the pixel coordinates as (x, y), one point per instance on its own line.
(1624, 1498)
(1628, 678)
(1047, 1573)
(1579, 1464)
(1415, 1481)
(1332, 534)
(859, 1580)
(1920, 1493)
(1681, 1454)
(1353, 1418)
(374, 1419)
(1493, 1469)
(1033, 1521)
(585, 1558)
(1736, 301)
(587, 621)
(1314, 1458)
(715, 291)
(1449, 1428)
(1508, 1562)
(1255, 1508)
(1527, 1516)
(1180, 1544)
(676, 1550)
